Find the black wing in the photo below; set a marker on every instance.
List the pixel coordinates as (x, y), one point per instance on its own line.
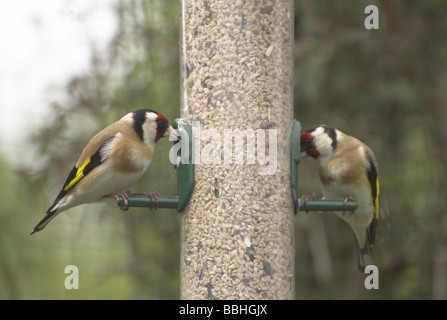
(373, 178)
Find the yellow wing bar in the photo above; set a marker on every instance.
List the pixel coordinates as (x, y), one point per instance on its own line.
(79, 175)
(376, 200)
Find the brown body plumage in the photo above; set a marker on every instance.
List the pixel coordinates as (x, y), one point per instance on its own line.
(112, 162)
(347, 168)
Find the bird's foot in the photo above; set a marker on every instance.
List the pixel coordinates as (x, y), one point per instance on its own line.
(117, 197)
(152, 195)
(345, 202)
(306, 198)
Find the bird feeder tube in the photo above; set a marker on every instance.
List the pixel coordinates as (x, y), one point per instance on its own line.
(237, 93)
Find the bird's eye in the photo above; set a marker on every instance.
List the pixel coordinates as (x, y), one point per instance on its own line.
(161, 124)
(307, 144)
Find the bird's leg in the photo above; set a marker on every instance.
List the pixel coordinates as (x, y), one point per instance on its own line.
(117, 196)
(152, 195)
(306, 198)
(345, 202)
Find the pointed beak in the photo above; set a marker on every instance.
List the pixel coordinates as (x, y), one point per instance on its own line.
(172, 134)
(168, 131)
(303, 153)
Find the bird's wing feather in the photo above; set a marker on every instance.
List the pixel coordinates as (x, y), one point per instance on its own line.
(373, 178)
(77, 173)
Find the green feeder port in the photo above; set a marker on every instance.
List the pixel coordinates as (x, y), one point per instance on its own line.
(327, 205)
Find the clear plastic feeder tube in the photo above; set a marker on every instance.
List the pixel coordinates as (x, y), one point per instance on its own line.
(237, 95)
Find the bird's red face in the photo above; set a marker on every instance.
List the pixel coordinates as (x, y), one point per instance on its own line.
(163, 127)
(308, 147)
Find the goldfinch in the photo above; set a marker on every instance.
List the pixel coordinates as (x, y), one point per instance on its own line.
(112, 162)
(348, 169)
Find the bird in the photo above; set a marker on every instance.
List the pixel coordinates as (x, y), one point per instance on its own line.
(111, 162)
(348, 170)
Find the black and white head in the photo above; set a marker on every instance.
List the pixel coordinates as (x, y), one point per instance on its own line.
(319, 141)
(149, 125)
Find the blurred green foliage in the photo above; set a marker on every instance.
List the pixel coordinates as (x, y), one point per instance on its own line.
(386, 87)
